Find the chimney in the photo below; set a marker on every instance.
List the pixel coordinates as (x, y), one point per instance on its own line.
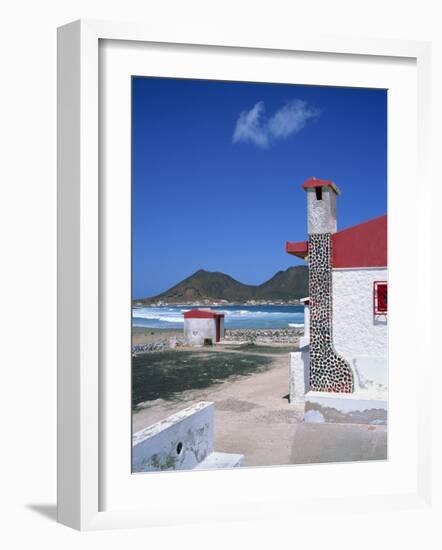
(329, 371)
(321, 206)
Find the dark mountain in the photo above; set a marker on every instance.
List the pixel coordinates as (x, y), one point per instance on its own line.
(213, 286)
(285, 285)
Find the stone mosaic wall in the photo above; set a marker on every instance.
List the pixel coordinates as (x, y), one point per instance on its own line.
(328, 371)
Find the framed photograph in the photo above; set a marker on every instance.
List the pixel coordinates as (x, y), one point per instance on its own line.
(235, 225)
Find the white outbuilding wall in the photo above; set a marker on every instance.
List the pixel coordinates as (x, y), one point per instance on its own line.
(357, 335)
(196, 330)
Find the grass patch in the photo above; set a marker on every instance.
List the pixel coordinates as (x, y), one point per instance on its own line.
(162, 375)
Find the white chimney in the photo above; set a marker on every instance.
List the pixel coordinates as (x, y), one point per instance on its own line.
(321, 206)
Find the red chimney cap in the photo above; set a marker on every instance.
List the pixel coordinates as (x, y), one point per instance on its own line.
(313, 182)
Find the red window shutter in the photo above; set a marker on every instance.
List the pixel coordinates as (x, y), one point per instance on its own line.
(380, 298)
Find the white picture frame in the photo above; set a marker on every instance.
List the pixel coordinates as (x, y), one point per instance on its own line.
(80, 393)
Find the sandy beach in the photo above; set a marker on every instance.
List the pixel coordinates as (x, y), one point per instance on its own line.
(141, 335)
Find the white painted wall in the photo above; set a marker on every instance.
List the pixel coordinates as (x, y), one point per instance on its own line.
(195, 330)
(305, 340)
(357, 336)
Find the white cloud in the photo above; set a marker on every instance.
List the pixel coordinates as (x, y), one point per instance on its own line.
(250, 126)
(253, 126)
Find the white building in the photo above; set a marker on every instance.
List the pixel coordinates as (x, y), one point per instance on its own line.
(203, 327)
(305, 340)
(341, 371)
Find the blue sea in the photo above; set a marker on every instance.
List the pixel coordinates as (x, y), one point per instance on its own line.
(241, 316)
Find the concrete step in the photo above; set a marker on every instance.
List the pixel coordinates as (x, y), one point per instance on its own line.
(221, 460)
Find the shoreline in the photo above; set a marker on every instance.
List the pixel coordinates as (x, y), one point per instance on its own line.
(145, 340)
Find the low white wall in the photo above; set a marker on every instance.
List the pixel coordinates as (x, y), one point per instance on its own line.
(196, 330)
(180, 442)
(357, 336)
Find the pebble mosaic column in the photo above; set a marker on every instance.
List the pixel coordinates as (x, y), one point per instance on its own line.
(328, 371)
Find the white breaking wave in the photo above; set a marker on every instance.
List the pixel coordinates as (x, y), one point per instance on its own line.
(157, 314)
(172, 317)
(176, 316)
(246, 313)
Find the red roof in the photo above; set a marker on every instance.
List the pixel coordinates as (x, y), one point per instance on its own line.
(202, 314)
(313, 182)
(297, 249)
(363, 245)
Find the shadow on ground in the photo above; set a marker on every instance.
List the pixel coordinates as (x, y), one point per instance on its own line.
(321, 443)
(49, 511)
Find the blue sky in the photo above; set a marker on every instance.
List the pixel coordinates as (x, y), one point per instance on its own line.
(217, 168)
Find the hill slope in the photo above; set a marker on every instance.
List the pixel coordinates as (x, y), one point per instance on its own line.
(213, 286)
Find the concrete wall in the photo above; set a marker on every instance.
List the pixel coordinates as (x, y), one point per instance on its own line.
(357, 336)
(196, 330)
(183, 441)
(180, 442)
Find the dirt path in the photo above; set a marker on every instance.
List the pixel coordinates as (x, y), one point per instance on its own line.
(253, 417)
(252, 414)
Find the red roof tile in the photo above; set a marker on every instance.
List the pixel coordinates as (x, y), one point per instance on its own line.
(362, 245)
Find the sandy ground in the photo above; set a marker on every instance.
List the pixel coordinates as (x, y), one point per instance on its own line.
(253, 417)
(142, 335)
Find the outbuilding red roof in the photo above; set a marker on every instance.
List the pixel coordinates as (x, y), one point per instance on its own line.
(362, 245)
(202, 314)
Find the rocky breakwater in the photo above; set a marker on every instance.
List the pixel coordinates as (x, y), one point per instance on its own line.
(162, 344)
(265, 336)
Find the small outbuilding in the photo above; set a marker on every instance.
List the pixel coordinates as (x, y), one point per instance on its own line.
(203, 327)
